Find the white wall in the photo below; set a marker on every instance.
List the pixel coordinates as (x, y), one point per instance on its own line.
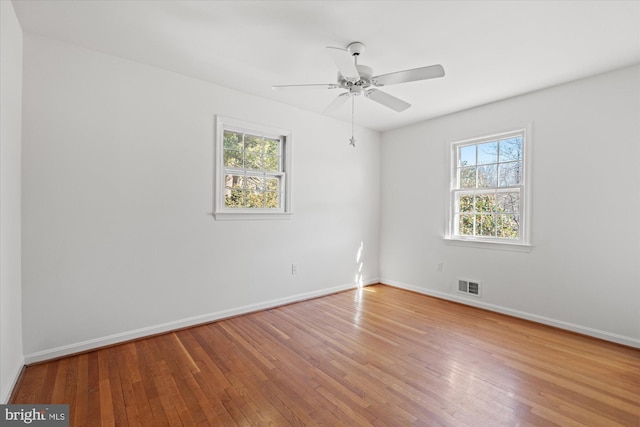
(118, 234)
(11, 356)
(583, 272)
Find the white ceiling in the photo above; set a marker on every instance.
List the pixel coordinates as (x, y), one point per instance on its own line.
(490, 50)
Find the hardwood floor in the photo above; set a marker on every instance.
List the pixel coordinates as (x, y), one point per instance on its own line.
(377, 356)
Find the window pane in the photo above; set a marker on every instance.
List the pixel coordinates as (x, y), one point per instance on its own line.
(510, 174)
(234, 181)
(232, 141)
(465, 203)
(273, 184)
(255, 183)
(465, 225)
(271, 163)
(253, 160)
(272, 147)
(508, 202)
(487, 176)
(234, 199)
(485, 225)
(255, 199)
(233, 158)
(488, 153)
(467, 155)
(252, 152)
(485, 203)
(511, 149)
(252, 141)
(508, 226)
(468, 177)
(273, 199)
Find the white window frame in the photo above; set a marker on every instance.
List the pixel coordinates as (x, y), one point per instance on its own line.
(224, 213)
(523, 243)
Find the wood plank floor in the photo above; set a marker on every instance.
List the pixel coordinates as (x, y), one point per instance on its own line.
(377, 356)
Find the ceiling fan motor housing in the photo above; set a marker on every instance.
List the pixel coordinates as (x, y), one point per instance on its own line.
(358, 86)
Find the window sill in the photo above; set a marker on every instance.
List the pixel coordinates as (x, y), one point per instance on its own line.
(257, 216)
(500, 246)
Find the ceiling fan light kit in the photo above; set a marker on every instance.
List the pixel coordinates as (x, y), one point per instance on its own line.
(358, 80)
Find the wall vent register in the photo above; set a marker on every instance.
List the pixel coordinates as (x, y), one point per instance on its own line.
(469, 287)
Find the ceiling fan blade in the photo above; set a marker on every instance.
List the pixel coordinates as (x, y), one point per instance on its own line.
(387, 100)
(336, 103)
(344, 62)
(311, 86)
(423, 73)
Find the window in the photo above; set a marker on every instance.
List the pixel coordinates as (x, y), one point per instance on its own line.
(489, 189)
(253, 165)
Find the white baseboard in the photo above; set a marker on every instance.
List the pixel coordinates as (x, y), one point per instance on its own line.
(178, 324)
(584, 330)
(7, 388)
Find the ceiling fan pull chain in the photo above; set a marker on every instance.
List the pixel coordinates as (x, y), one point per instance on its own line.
(352, 140)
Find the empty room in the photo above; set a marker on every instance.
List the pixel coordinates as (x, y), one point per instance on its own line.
(389, 213)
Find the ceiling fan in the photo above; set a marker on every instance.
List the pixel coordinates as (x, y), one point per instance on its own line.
(359, 80)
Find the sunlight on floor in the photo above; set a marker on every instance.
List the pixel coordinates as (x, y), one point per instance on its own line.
(359, 266)
(360, 288)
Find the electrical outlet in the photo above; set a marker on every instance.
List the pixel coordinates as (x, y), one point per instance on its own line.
(294, 268)
(439, 267)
